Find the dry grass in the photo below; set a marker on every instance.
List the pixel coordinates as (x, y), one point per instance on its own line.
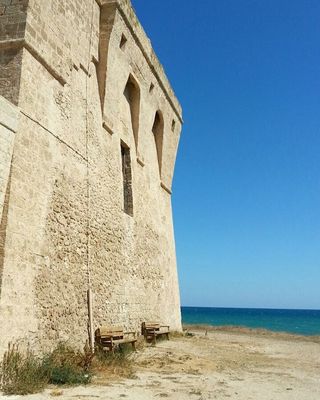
(108, 366)
(177, 335)
(21, 373)
(25, 373)
(141, 343)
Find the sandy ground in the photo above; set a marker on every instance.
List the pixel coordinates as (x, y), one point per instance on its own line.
(224, 364)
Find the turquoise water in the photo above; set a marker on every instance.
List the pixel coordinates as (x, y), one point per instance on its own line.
(302, 322)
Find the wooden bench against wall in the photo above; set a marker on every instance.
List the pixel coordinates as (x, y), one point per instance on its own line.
(111, 337)
(151, 330)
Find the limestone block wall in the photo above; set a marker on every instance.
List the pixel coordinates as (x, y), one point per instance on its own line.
(13, 16)
(10, 70)
(63, 34)
(8, 127)
(67, 229)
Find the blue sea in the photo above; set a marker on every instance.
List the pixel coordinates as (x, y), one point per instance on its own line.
(302, 322)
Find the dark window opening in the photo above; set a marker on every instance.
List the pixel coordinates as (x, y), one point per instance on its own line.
(127, 179)
(132, 94)
(173, 125)
(157, 129)
(123, 42)
(151, 88)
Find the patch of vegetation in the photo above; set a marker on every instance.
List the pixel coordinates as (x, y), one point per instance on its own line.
(141, 343)
(21, 373)
(65, 366)
(118, 363)
(177, 334)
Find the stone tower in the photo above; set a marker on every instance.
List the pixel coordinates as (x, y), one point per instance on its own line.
(89, 130)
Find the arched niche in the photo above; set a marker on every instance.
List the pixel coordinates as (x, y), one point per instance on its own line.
(132, 94)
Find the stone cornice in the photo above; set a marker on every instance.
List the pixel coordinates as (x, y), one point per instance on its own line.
(22, 43)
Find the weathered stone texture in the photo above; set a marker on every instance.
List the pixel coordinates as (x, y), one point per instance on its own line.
(12, 19)
(10, 70)
(13, 15)
(66, 229)
(8, 127)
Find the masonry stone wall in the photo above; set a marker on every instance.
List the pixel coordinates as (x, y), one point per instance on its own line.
(13, 14)
(66, 229)
(8, 127)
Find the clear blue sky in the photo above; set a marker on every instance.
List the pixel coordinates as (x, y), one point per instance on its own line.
(246, 193)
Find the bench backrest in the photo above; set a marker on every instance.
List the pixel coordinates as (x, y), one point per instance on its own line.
(146, 326)
(107, 332)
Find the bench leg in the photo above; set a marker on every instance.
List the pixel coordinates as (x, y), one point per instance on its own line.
(154, 340)
(168, 336)
(134, 346)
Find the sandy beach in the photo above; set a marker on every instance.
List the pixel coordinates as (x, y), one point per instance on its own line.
(223, 363)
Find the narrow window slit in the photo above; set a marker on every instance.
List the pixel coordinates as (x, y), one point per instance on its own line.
(157, 130)
(123, 42)
(127, 179)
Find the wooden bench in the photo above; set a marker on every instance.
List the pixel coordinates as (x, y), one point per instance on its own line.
(150, 331)
(110, 337)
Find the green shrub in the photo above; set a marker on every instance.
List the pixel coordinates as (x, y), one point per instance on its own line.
(21, 373)
(65, 366)
(25, 373)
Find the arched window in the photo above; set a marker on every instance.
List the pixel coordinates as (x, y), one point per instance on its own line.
(157, 129)
(132, 94)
